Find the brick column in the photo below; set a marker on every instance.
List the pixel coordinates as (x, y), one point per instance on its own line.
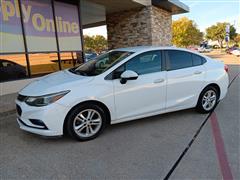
(146, 26)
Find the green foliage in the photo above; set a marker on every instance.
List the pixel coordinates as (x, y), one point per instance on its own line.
(218, 32)
(237, 39)
(96, 43)
(186, 33)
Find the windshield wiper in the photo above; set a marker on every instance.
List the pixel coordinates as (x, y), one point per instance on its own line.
(78, 72)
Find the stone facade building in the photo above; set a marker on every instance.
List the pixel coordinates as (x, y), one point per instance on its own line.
(143, 26)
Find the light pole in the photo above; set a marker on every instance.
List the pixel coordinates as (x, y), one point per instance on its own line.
(227, 38)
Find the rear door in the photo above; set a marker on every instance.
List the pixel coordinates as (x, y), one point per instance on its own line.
(185, 79)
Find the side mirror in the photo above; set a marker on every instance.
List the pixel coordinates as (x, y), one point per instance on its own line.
(128, 75)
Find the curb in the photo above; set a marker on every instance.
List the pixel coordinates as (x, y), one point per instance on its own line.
(7, 113)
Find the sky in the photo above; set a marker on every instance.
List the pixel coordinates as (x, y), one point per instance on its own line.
(204, 12)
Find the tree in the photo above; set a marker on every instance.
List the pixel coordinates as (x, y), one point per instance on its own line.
(218, 32)
(237, 39)
(100, 43)
(186, 33)
(96, 43)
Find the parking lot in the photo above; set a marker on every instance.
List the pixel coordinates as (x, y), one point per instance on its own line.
(180, 145)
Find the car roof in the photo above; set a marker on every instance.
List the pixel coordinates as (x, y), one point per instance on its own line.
(147, 48)
(5, 60)
(139, 49)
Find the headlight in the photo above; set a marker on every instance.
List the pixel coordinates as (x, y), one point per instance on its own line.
(45, 100)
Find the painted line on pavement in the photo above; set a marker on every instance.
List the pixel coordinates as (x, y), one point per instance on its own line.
(220, 148)
(194, 138)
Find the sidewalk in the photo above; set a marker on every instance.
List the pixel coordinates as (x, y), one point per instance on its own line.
(7, 104)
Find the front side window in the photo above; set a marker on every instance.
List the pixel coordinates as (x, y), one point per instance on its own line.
(101, 63)
(178, 59)
(145, 63)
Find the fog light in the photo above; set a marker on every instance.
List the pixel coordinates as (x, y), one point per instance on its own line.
(38, 122)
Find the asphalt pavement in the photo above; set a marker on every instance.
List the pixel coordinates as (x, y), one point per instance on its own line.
(142, 149)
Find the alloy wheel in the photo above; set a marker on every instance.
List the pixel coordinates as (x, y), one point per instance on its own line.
(209, 100)
(87, 123)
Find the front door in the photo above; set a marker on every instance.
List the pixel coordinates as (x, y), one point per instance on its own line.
(145, 95)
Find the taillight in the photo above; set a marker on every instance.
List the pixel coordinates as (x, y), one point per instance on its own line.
(226, 68)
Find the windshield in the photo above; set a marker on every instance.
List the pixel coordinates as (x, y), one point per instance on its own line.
(101, 63)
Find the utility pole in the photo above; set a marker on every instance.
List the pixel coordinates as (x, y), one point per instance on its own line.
(227, 38)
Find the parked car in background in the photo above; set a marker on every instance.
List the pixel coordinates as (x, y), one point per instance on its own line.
(193, 48)
(236, 52)
(10, 70)
(132, 83)
(204, 49)
(90, 56)
(229, 50)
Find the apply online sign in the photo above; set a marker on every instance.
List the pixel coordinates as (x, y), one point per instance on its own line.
(38, 18)
(38, 22)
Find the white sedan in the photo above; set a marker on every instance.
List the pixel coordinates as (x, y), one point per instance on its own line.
(236, 52)
(121, 85)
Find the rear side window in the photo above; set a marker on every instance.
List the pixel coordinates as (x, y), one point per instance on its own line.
(197, 60)
(178, 59)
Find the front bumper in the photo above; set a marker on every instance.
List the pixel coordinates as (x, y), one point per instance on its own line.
(50, 119)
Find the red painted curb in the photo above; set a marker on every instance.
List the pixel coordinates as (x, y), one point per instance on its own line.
(220, 149)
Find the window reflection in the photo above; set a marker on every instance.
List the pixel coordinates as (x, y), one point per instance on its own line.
(43, 63)
(71, 59)
(13, 67)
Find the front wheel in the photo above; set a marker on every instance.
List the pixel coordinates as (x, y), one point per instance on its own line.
(208, 100)
(86, 122)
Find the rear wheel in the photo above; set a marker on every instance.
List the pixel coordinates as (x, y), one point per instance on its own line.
(86, 122)
(208, 100)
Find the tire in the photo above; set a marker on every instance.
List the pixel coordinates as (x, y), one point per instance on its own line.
(86, 122)
(208, 100)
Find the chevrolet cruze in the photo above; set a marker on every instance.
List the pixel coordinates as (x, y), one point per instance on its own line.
(121, 85)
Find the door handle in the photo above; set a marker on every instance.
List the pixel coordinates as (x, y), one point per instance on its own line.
(198, 72)
(159, 81)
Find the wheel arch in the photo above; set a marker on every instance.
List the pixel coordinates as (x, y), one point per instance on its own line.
(216, 86)
(95, 102)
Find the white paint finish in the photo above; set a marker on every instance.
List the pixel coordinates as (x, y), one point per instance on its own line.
(140, 96)
(148, 95)
(184, 86)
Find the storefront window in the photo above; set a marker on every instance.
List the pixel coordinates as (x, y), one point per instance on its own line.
(11, 38)
(13, 67)
(43, 63)
(38, 40)
(71, 59)
(39, 25)
(68, 28)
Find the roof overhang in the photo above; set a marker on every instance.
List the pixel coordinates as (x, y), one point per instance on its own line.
(94, 11)
(112, 6)
(173, 6)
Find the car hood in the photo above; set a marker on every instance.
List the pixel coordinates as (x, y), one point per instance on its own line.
(55, 82)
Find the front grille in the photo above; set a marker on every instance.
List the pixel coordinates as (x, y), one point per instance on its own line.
(19, 110)
(21, 97)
